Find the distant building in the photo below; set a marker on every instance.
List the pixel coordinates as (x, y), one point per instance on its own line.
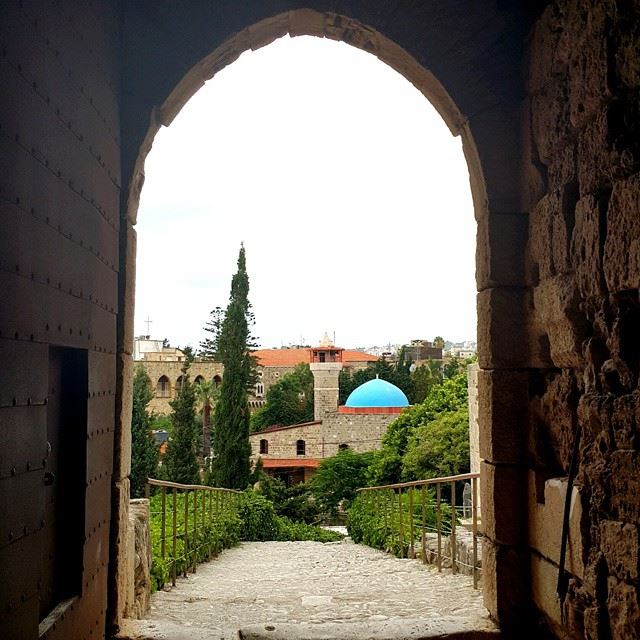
(418, 350)
(164, 367)
(292, 453)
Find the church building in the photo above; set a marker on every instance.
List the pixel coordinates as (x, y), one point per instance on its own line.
(293, 452)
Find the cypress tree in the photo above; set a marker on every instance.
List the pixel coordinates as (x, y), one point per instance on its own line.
(144, 453)
(231, 466)
(181, 459)
(209, 346)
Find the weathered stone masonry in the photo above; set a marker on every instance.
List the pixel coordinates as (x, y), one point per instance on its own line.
(86, 86)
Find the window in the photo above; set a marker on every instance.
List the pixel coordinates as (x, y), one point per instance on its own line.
(300, 447)
(198, 380)
(259, 389)
(343, 447)
(264, 446)
(163, 387)
(216, 381)
(179, 383)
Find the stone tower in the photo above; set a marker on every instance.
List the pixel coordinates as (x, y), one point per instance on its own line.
(325, 362)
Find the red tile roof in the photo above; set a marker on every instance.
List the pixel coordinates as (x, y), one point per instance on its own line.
(279, 463)
(292, 357)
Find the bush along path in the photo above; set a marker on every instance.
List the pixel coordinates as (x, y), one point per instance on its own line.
(248, 517)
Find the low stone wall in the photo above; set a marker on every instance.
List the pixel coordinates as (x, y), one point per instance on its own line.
(464, 551)
(138, 587)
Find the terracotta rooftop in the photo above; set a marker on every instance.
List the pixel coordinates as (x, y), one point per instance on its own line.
(279, 463)
(292, 357)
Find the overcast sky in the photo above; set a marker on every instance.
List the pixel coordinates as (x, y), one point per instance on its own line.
(349, 192)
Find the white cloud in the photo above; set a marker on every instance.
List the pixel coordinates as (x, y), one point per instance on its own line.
(345, 185)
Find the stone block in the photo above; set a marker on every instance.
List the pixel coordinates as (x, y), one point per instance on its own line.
(623, 605)
(306, 22)
(544, 581)
(503, 490)
(624, 468)
(542, 51)
(620, 544)
(558, 313)
(503, 315)
(127, 288)
(266, 31)
(118, 562)
(622, 246)
(551, 126)
(503, 398)
(500, 247)
(124, 405)
(138, 560)
(585, 248)
(505, 579)
(545, 523)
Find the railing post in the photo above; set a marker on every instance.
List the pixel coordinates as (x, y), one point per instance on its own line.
(164, 523)
(474, 519)
(386, 514)
(412, 551)
(439, 525)
(186, 532)
(424, 524)
(400, 523)
(452, 537)
(175, 536)
(196, 546)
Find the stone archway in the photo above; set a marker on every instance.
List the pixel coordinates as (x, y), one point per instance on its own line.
(489, 130)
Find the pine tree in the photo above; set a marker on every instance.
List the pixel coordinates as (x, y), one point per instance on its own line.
(209, 346)
(144, 453)
(181, 459)
(231, 466)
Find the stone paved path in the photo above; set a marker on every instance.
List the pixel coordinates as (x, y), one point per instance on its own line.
(311, 590)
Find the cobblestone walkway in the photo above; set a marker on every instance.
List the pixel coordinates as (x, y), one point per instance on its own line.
(310, 590)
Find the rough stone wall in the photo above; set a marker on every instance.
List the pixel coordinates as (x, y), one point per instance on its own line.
(582, 182)
(360, 432)
(139, 558)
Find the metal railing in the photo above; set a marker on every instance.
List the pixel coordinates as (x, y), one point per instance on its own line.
(408, 509)
(185, 514)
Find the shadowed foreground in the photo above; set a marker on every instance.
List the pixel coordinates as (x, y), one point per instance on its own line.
(309, 590)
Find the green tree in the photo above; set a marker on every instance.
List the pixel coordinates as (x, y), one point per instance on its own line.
(144, 453)
(205, 394)
(231, 466)
(209, 346)
(288, 401)
(189, 353)
(181, 458)
(423, 378)
(338, 477)
(448, 396)
(438, 448)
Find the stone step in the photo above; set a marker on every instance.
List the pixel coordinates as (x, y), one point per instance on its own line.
(391, 629)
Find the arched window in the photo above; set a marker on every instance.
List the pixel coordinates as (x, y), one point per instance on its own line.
(264, 446)
(163, 388)
(259, 389)
(198, 380)
(216, 381)
(300, 447)
(179, 383)
(343, 447)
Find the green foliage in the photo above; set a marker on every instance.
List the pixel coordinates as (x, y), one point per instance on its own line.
(296, 502)
(260, 522)
(231, 466)
(144, 453)
(423, 379)
(387, 465)
(288, 401)
(374, 520)
(160, 423)
(338, 477)
(206, 394)
(438, 448)
(180, 462)
(209, 346)
(215, 534)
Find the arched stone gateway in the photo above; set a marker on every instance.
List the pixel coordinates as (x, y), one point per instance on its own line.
(545, 100)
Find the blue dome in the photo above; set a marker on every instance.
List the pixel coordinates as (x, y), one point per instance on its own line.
(377, 393)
